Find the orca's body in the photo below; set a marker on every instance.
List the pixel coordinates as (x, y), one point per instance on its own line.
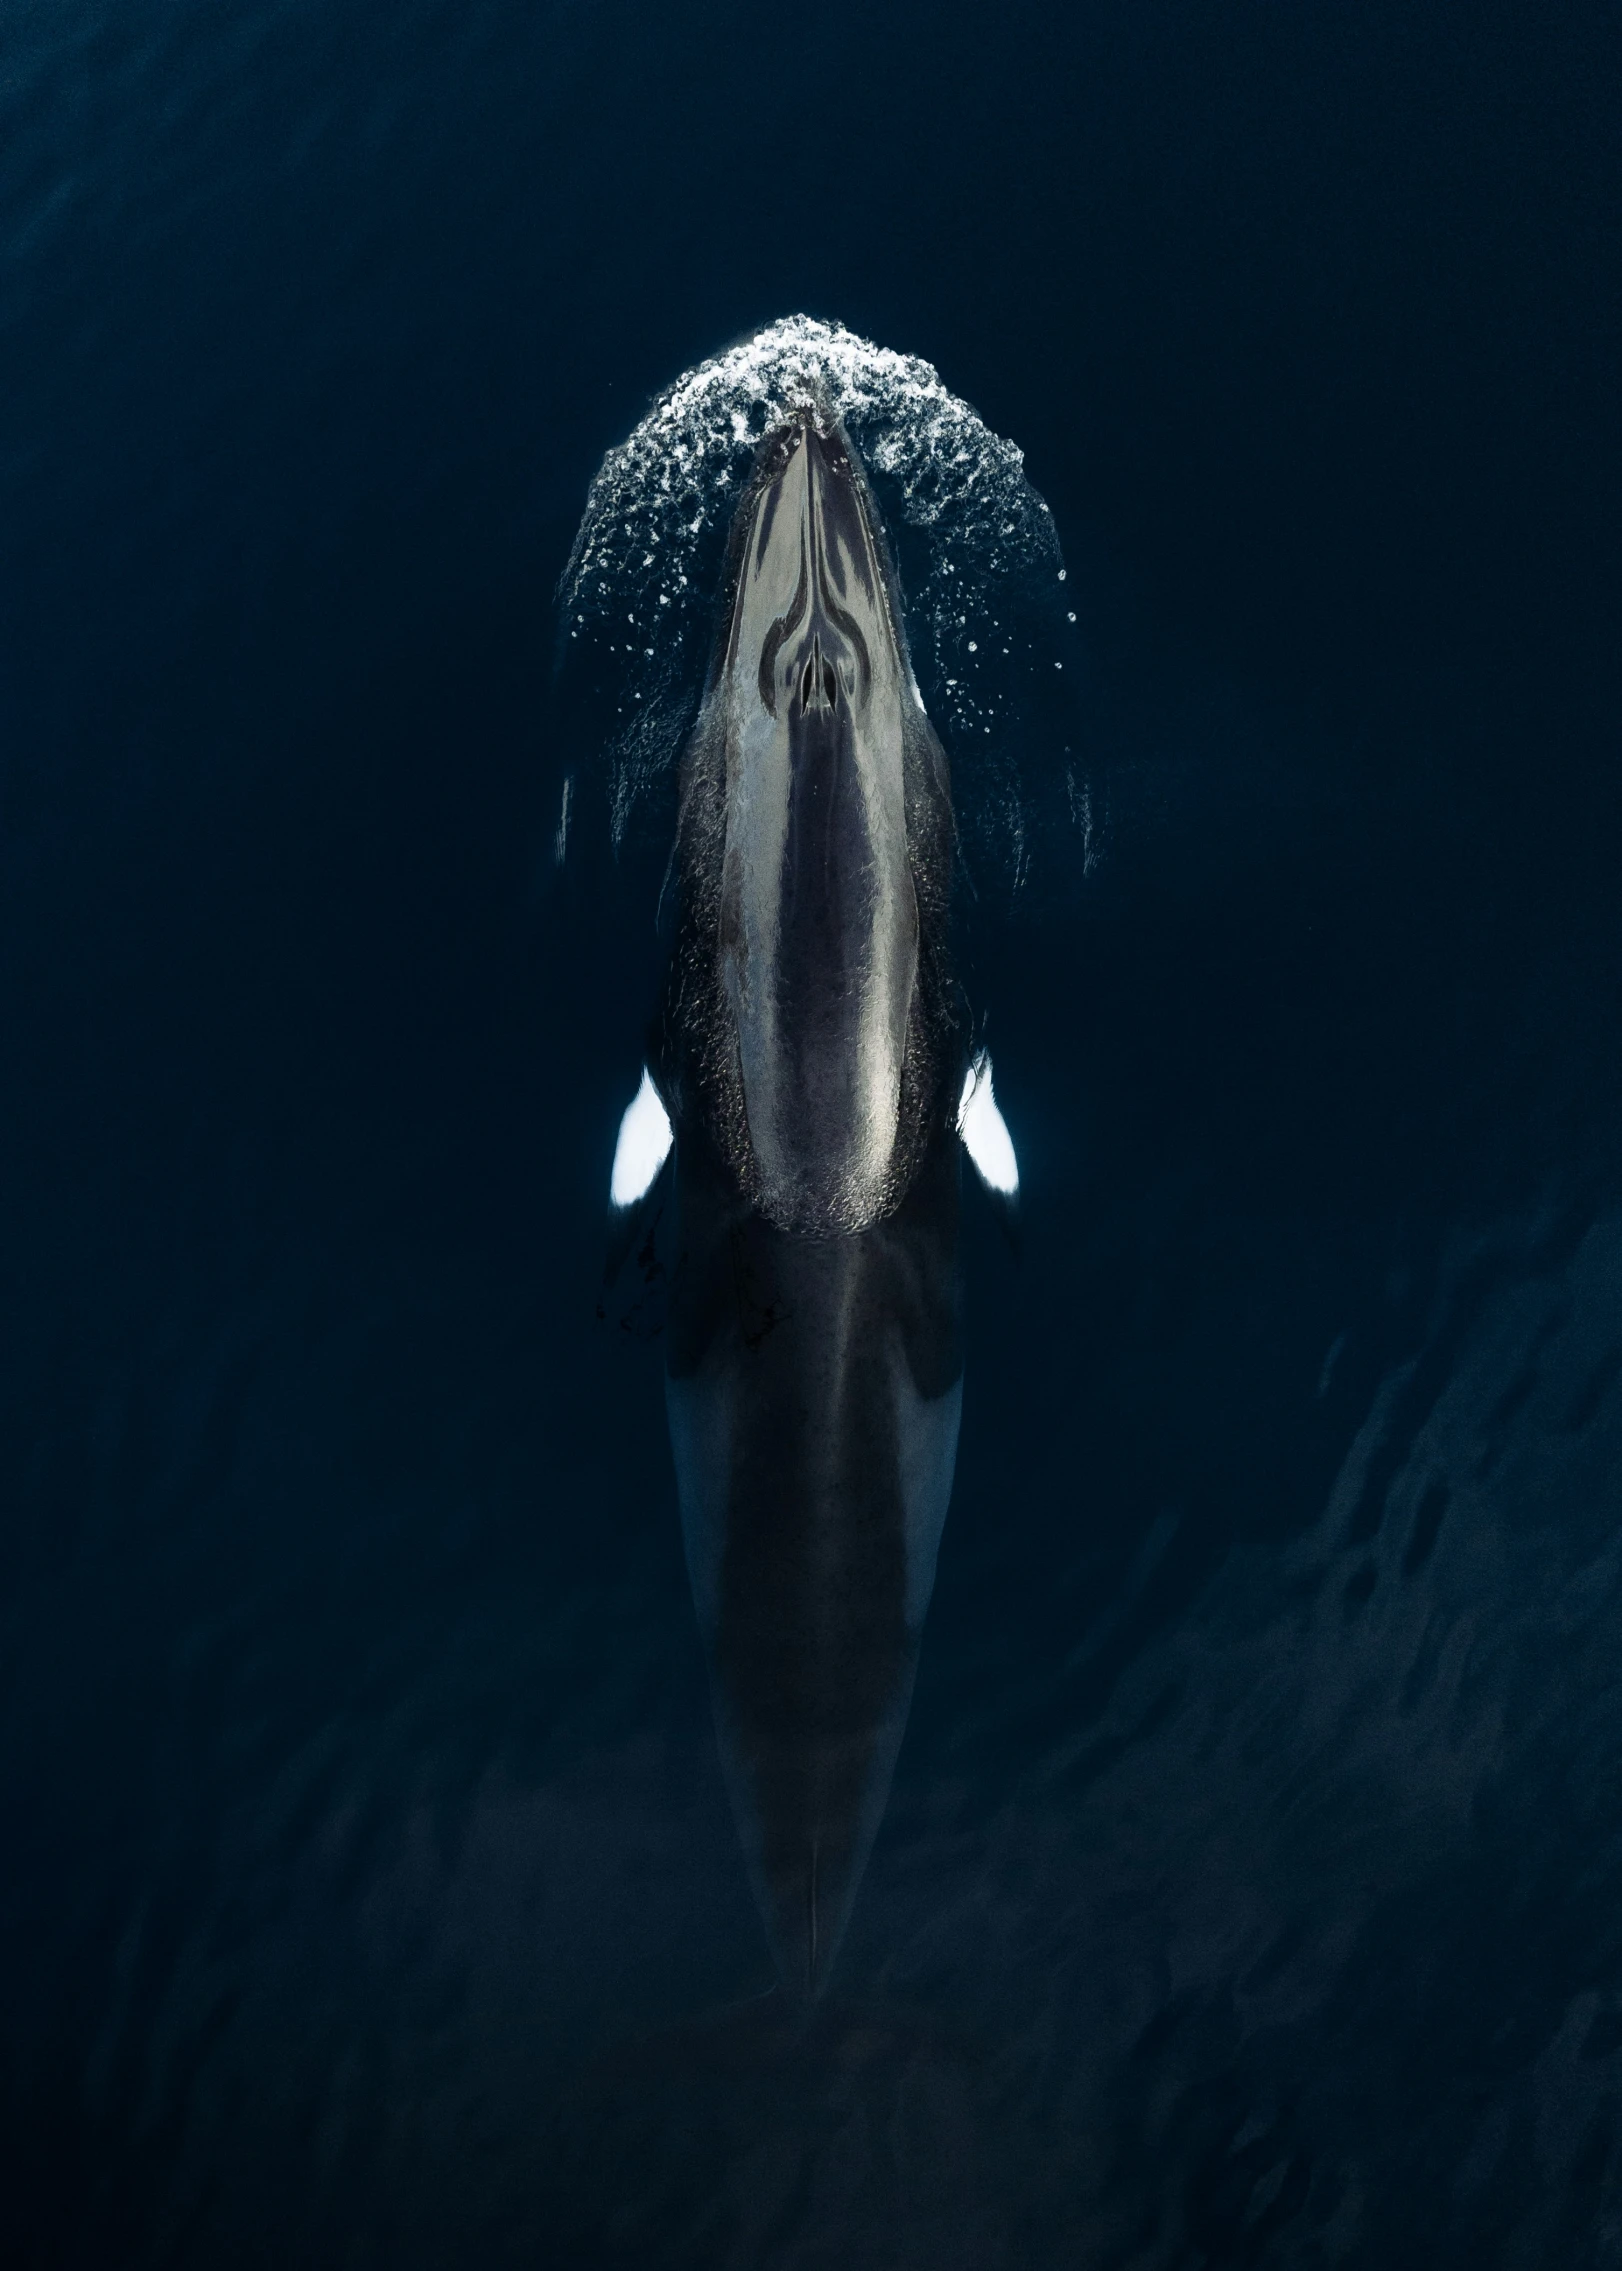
(810, 1058)
(813, 1390)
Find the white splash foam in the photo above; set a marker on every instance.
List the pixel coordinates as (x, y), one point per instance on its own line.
(640, 583)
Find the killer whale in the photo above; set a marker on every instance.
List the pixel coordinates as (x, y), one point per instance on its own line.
(808, 1092)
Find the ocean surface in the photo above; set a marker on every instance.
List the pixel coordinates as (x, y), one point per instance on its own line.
(1250, 1892)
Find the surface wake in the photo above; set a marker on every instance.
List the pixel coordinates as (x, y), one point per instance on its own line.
(989, 621)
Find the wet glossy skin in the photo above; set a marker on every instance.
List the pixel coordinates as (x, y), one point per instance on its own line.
(814, 1390)
(811, 1064)
(819, 918)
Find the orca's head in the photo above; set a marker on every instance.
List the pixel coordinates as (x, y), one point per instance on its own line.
(819, 912)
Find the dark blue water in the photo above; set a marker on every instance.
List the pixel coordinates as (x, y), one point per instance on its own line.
(1251, 1892)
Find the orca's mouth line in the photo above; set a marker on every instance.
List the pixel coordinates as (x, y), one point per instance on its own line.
(813, 596)
(779, 634)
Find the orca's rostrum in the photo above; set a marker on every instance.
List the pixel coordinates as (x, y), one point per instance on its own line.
(810, 1067)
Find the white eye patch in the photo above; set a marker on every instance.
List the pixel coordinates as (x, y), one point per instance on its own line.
(985, 1131)
(643, 1146)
